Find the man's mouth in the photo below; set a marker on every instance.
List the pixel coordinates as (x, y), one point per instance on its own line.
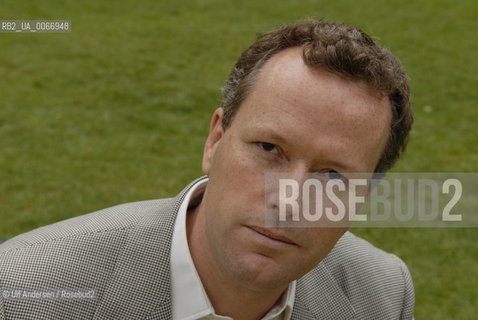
(272, 234)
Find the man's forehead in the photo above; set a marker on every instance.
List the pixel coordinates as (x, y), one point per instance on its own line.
(287, 69)
(286, 77)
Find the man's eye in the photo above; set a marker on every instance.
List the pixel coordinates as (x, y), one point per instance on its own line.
(334, 175)
(268, 147)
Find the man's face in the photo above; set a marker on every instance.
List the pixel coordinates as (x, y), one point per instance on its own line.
(294, 120)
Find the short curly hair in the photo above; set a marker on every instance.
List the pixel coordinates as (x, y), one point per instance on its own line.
(337, 48)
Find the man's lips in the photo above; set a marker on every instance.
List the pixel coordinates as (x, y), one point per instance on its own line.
(272, 234)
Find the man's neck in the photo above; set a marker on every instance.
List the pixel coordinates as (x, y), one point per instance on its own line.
(229, 298)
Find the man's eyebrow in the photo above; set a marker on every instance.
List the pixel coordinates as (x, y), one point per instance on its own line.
(340, 165)
(275, 136)
(270, 133)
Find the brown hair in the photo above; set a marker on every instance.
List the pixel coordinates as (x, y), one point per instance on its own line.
(340, 49)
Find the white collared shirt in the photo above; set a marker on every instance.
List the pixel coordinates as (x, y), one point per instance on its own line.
(189, 299)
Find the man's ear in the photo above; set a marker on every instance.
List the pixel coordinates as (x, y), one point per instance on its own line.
(215, 134)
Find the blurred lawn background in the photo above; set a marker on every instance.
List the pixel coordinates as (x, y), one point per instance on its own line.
(118, 110)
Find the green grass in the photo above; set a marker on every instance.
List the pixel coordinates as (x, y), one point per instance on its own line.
(118, 110)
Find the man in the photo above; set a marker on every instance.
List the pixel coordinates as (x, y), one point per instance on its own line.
(310, 97)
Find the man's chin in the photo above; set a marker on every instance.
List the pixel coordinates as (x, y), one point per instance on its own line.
(260, 273)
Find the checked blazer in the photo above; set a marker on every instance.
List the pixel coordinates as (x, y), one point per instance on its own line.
(123, 252)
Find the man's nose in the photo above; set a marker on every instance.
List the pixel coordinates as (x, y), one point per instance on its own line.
(283, 194)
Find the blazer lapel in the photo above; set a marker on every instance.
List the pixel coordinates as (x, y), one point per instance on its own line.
(318, 296)
(140, 285)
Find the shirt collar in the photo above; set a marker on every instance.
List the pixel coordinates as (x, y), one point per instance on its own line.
(189, 299)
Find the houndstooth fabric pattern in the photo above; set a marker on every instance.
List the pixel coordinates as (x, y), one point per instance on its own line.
(123, 253)
(356, 281)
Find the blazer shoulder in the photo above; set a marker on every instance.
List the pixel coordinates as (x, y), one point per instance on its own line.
(122, 250)
(352, 251)
(82, 252)
(109, 220)
(375, 281)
